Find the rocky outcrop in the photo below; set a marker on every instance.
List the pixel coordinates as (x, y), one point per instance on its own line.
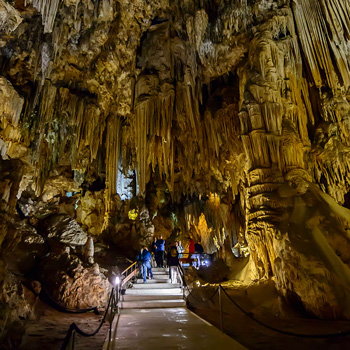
(64, 229)
(16, 305)
(73, 286)
(10, 18)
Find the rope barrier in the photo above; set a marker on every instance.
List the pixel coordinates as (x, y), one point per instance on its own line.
(330, 335)
(62, 308)
(73, 328)
(204, 300)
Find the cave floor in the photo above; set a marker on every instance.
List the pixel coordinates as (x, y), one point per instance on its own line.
(168, 328)
(50, 327)
(255, 336)
(49, 331)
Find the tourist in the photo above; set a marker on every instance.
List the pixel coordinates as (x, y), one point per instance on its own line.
(160, 251)
(139, 259)
(146, 255)
(180, 248)
(191, 249)
(154, 252)
(198, 249)
(173, 262)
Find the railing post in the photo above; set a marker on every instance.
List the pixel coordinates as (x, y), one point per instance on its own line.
(70, 345)
(117, 299)
(221, 313)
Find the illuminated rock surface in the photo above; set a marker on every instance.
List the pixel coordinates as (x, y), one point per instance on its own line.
(227, 121)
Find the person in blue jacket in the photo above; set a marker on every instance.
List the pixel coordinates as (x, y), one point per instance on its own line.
(160, 252)
(140, 261)
(147, 268)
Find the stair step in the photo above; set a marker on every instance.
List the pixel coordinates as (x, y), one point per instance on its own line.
(164, 276)
(159, 276)
(139, 297)
(150, 291)
(168, 280)
(156, 285)
(160, 270)
(144, 304)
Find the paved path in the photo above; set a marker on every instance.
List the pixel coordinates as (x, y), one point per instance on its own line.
(169, 328)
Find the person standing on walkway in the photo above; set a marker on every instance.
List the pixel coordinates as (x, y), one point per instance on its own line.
(139, 259)
(160, 251)
(154, 252)
(180, 248)
(173, 263)
(147, 268)
(198, 248)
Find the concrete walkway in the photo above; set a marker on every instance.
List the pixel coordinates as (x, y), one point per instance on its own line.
(169, 328)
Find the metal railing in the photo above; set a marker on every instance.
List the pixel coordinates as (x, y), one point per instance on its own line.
(198, 259)
(112, 305)
(129, 273)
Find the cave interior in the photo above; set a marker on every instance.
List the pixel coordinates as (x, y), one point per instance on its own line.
(222, 121)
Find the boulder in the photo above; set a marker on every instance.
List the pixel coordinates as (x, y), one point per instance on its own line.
(69, 283)
(64, 229)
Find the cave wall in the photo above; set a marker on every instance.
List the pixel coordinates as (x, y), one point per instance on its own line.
(232, 118)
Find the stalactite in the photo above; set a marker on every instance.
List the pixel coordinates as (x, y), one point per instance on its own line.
(60, 113)
(113, 142)
(48, 10)
(324, 32)
(12, 105)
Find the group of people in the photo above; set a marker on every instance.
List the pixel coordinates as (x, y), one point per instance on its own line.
(195, 250)
(155, 258)
(146, 259)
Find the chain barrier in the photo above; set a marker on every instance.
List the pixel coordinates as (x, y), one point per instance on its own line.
(68, 343)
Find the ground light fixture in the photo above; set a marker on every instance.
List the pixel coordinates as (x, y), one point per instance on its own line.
(117, 283)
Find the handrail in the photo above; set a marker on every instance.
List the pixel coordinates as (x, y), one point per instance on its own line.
(129, 267)
(182, 274)
(134, 270)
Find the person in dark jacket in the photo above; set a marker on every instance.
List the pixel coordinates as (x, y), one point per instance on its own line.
(160, 252)
(173, 262)
(198, 248)
(147, 268)
(154, 252)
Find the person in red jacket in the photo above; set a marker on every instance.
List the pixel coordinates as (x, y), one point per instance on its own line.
(191, 246)
(191, 249)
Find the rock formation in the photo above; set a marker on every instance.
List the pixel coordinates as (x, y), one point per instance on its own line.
(225, 120)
